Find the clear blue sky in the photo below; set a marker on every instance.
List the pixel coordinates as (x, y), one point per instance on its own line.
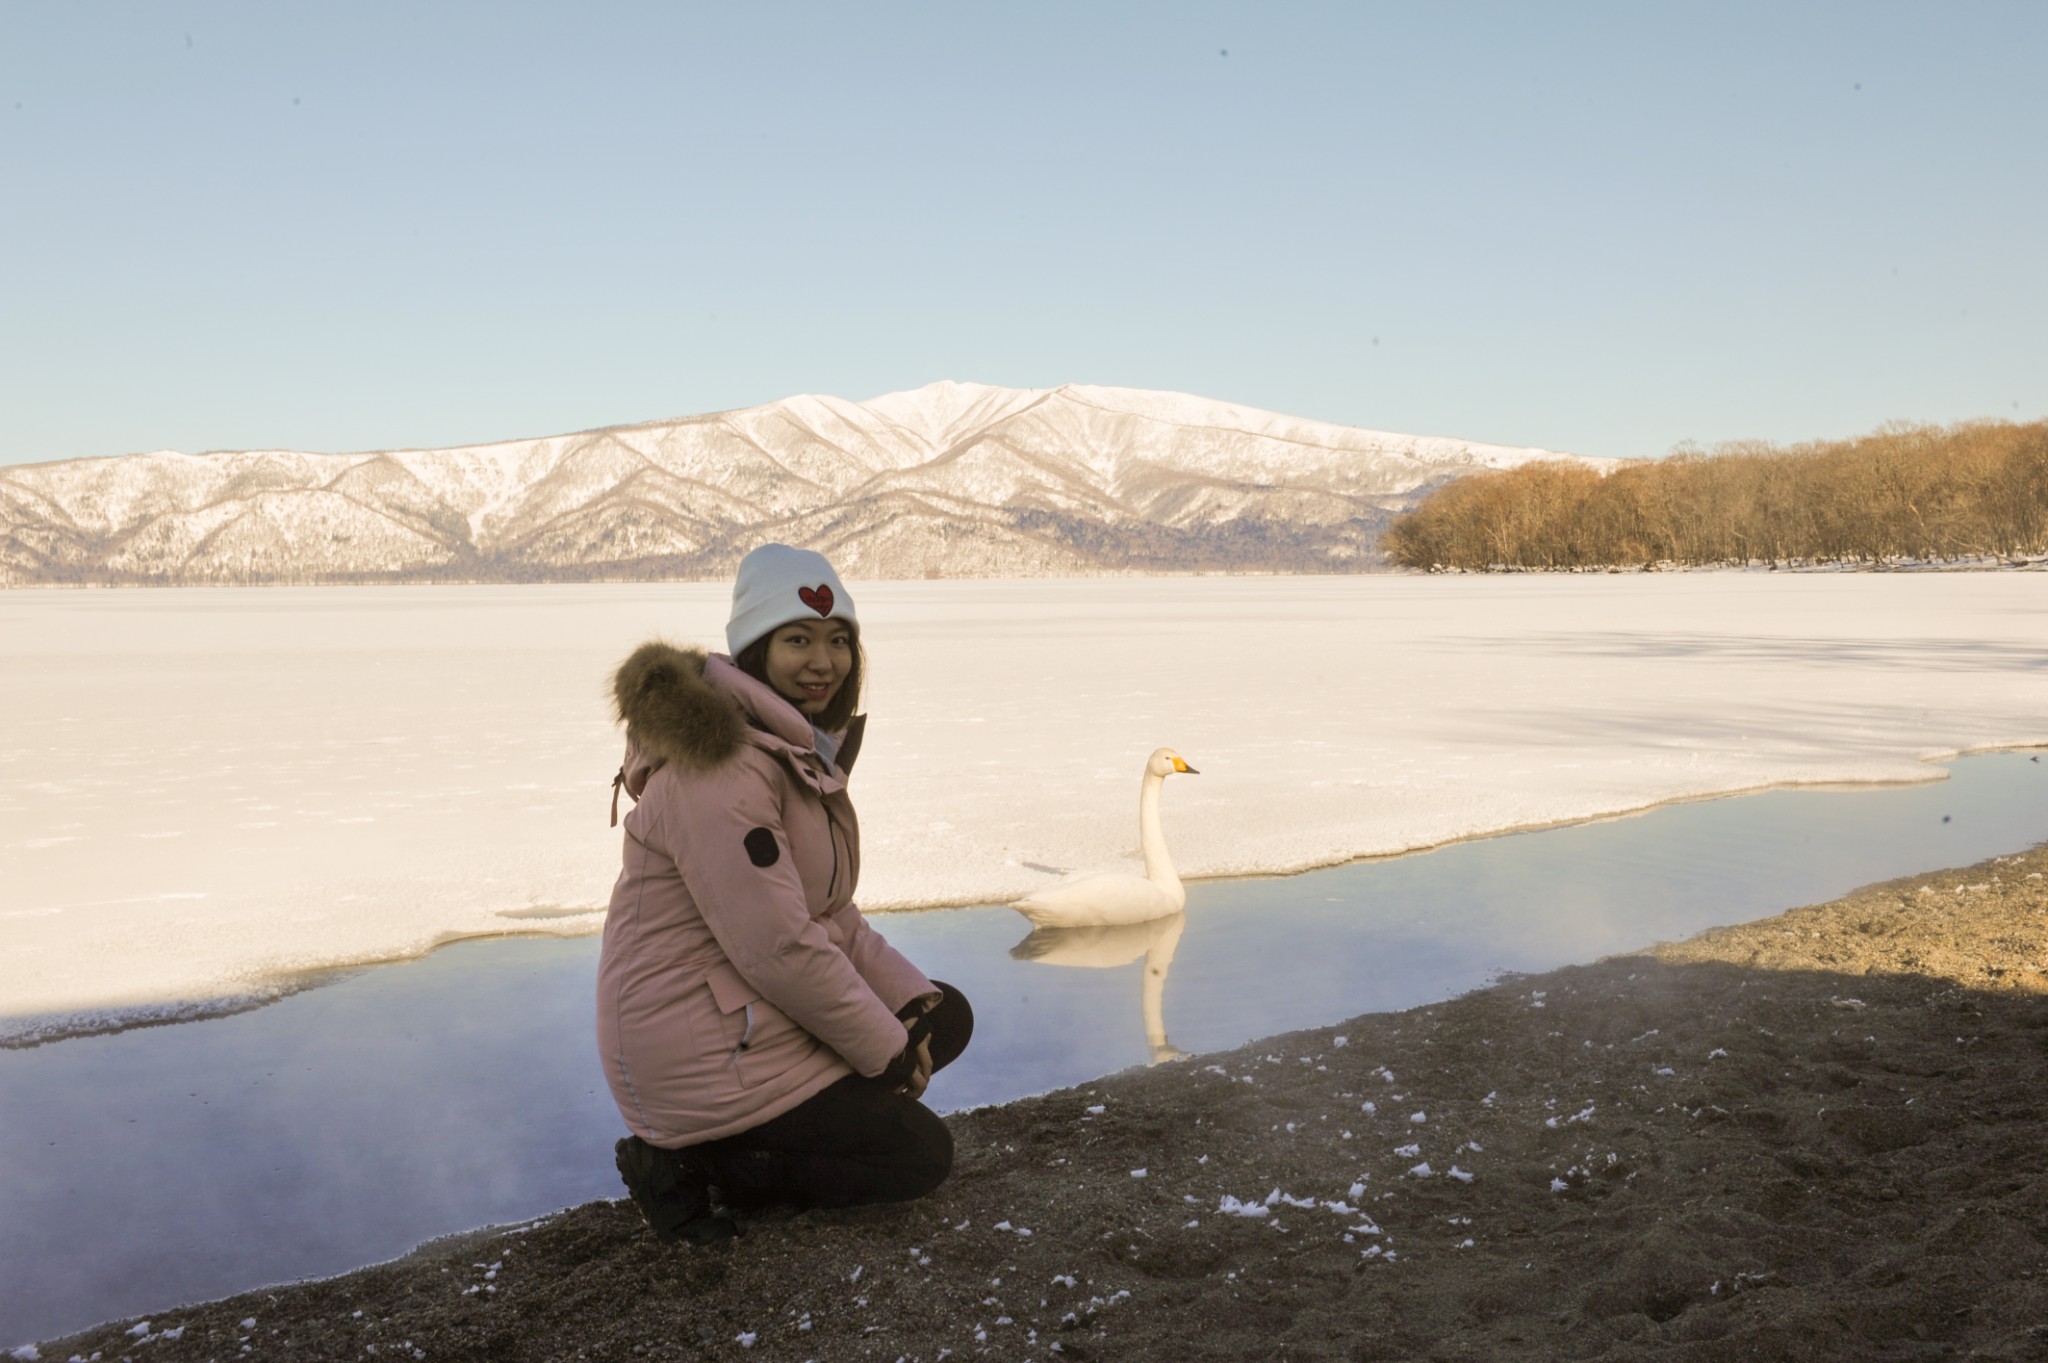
(1597, 228)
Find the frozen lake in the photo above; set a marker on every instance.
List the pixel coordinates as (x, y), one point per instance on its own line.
(205, 794)
(347, 1123)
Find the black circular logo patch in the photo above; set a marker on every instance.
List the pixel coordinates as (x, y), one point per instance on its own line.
(761, 848)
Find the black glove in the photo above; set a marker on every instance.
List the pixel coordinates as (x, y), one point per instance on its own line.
(901, 1068)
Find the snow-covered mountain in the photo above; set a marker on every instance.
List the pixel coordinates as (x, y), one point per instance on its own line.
(952, 480)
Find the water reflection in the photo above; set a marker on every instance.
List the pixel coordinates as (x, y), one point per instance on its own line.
(1108, 948)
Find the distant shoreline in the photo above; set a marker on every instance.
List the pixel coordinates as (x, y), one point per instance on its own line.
(1987, 564)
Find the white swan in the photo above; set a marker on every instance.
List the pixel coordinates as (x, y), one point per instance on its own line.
(1108, 898)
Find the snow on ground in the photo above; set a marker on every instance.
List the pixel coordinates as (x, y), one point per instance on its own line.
(203, 792)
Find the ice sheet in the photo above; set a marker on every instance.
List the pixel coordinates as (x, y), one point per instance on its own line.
(206, 793)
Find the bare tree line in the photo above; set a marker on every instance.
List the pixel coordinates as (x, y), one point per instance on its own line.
(1973, 490)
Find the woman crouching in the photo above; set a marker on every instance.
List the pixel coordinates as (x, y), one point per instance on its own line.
(757, 1034)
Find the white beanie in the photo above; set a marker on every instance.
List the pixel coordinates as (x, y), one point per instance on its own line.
(778, 584)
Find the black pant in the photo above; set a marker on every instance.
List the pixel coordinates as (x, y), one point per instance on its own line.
(854, 1142)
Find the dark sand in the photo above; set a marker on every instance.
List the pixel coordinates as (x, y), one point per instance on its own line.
(1823, 1135)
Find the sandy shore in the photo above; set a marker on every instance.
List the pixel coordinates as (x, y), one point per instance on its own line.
(1822, 1135)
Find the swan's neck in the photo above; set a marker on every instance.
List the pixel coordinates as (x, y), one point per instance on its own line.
(1158, 865)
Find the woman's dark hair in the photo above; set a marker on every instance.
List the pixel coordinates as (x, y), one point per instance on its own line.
(753, 660)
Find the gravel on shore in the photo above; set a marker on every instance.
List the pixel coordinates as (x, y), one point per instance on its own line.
(1821, 1135)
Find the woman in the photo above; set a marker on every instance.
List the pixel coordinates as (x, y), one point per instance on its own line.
(756, 1032)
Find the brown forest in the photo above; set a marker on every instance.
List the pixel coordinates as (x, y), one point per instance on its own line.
(1977, 490)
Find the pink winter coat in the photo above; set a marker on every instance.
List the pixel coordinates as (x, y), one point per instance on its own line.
(737, 977)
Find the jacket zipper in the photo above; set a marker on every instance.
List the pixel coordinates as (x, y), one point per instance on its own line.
(746, 1036)
(832, 836)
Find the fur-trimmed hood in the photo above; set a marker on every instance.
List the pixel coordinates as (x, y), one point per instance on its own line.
(696, 709)
(672, 711)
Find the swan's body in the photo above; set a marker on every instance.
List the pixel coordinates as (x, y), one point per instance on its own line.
(1109, 898)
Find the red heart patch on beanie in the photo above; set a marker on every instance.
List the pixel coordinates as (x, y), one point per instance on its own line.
(819, 600)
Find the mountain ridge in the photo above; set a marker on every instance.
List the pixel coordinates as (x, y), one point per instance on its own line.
(949, 480)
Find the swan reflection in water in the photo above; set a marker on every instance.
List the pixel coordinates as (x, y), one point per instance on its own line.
(1104, 948)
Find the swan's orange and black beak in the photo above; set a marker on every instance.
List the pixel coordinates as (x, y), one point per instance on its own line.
(1180, 766)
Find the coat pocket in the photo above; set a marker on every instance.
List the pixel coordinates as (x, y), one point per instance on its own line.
(740, 1007)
